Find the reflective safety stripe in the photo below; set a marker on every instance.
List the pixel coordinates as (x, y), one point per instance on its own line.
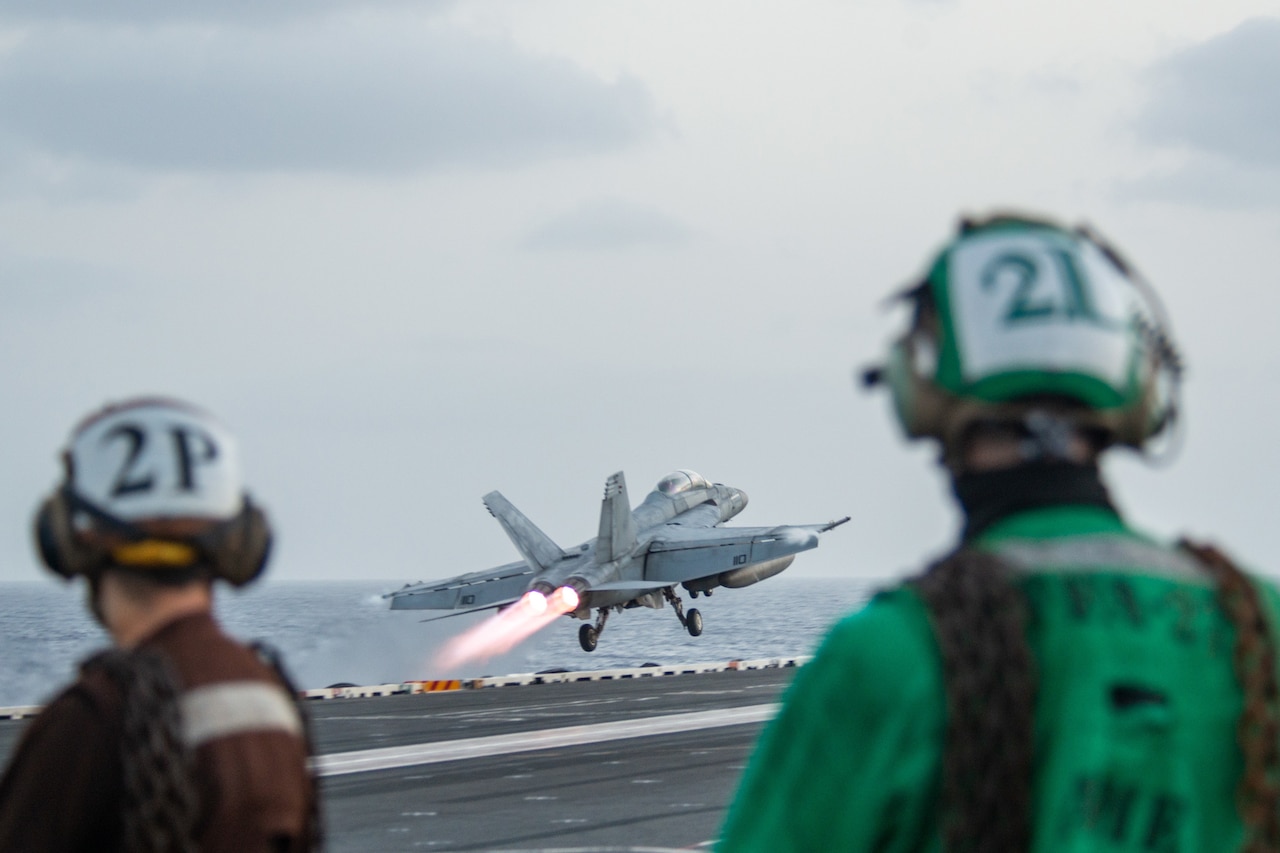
(236, 707)
(1101, 554)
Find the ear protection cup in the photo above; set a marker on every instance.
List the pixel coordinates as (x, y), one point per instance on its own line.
(56, 541)
(899, 375)
(1161, 375)
(920, 405)
(1138, 423)
(239, 549)
(1157, 410)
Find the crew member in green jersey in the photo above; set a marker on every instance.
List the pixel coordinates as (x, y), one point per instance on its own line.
(1059, 681)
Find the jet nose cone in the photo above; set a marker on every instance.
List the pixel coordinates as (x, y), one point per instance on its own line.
(743, 497)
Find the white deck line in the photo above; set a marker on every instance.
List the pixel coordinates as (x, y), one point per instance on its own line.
(413, 755)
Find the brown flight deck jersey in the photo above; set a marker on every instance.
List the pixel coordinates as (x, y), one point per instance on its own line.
(63, 789)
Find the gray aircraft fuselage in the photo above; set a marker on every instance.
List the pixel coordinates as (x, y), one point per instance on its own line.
(664, 516)
(674, 537)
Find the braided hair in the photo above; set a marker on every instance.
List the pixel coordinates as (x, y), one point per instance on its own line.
(979, 618)
(1258, 729)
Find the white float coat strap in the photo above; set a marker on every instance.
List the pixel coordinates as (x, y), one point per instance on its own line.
(236, 707)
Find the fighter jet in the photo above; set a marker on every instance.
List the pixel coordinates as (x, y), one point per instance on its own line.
(639, 557)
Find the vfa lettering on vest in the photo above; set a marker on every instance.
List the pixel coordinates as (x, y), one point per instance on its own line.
(1123, 813)
(1114, 583)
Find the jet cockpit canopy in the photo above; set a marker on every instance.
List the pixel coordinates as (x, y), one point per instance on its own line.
(682, 481)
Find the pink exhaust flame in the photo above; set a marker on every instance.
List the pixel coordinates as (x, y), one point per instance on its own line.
(566, 597)
(507, 628)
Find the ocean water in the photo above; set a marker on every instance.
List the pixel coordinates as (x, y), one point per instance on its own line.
(337, 632)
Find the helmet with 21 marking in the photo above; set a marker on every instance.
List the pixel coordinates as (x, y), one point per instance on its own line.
(153, 485)
(1018, 314)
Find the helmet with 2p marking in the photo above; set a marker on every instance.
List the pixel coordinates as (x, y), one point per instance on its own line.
(153, 485)
(1018, 313)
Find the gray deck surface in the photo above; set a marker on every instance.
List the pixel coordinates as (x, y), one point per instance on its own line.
(666, 790)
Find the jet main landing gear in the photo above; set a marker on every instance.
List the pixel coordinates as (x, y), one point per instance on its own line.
(589, 635)
(691, 621)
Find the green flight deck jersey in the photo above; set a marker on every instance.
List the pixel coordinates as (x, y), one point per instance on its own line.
(853, 762)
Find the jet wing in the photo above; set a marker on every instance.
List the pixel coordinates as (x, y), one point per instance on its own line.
(682, 554)
(465, 593)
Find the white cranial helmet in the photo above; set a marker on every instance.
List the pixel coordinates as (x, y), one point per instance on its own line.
(1017, 312)
(153, 484)
(156, 459)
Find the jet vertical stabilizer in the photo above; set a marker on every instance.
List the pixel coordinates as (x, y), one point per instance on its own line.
(617, 526)
(535, 546)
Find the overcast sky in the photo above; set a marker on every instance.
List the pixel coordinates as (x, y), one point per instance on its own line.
(415, 251)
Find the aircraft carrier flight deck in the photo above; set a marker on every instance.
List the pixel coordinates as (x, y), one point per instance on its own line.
(627, 762)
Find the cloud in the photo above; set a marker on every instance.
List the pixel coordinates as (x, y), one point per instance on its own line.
(1219, 97)
(342, 94)
(1209, 182)
(183, 11)
(608, 224)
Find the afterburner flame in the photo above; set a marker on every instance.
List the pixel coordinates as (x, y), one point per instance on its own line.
(566, 597)
(535, 602)
(507, 628)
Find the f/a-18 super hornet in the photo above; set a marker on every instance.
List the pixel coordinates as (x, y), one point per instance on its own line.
(639, 557)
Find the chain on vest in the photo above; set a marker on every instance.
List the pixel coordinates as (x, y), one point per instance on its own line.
(979, 617)
(161, 804)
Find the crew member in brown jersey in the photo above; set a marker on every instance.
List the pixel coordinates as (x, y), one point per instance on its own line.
(178, 737)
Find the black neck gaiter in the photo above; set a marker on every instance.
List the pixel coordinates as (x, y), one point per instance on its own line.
(989, 496)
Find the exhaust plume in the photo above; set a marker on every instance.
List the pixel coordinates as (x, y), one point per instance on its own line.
(508, 628)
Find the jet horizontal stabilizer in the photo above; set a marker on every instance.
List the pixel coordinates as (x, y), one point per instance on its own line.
(474, 591)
